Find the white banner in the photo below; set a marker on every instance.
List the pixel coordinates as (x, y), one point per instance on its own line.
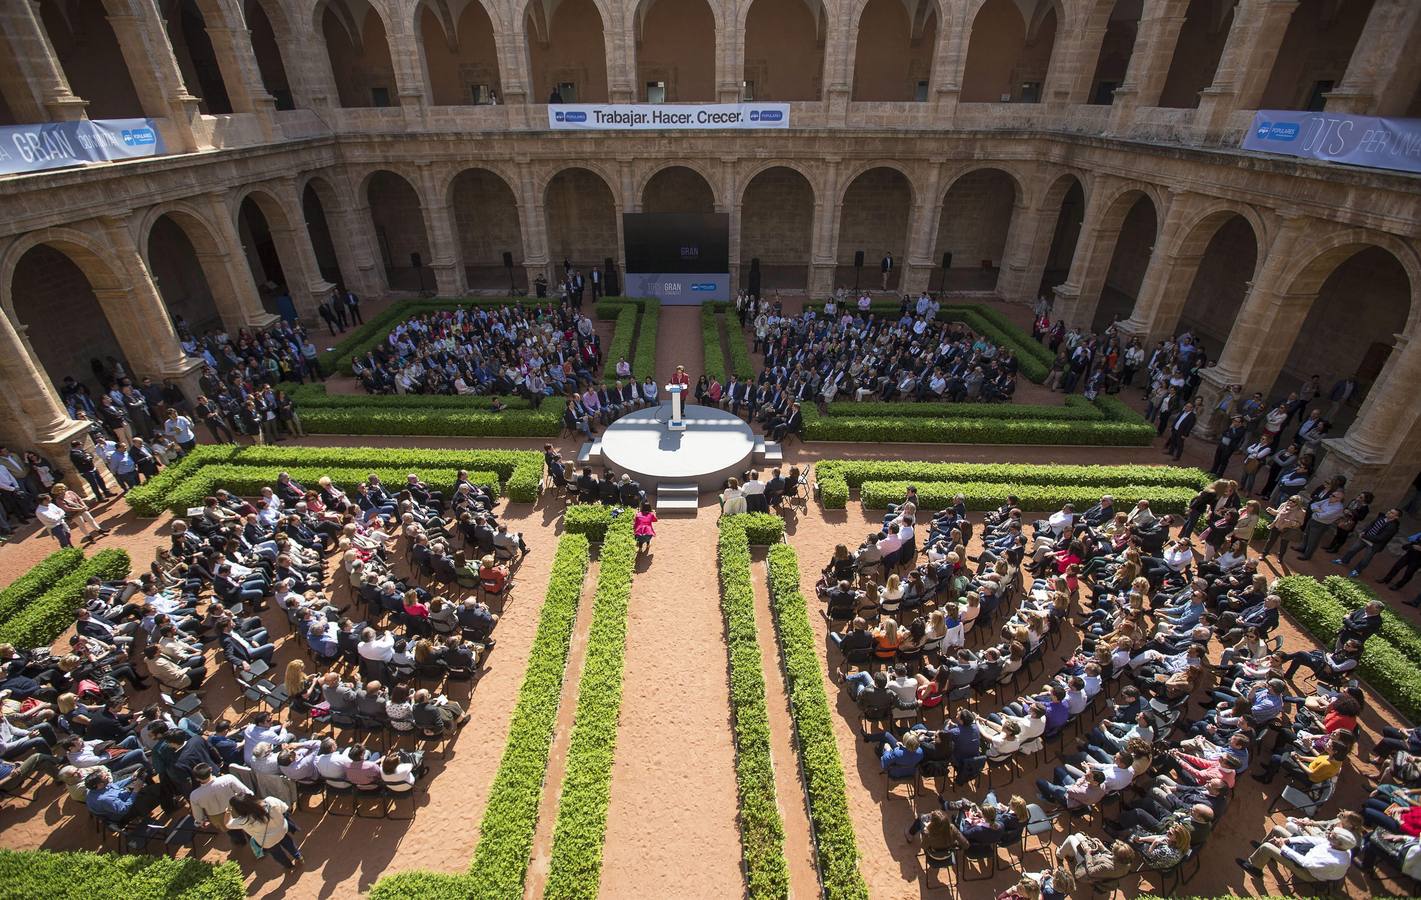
(672, 116)
(54, 145)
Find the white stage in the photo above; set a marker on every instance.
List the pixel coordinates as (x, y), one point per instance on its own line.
(715, 445)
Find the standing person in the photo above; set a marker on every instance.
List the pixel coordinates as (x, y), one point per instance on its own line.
(1229, 443)
(267, 826)
(886, 267)
(1342, 392)
(352, 304)
(52, 517)
(83, 462)
(328, 315)
(644, 527)
(1324, 514)
(1179, 429)
(1371, 540)
(179, 429)
(76, 509)
(338, 308)
(211, 800)
(210, 414)
(596, 276)
(1407, 565)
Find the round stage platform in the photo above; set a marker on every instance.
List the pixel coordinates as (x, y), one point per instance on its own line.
(715, 445)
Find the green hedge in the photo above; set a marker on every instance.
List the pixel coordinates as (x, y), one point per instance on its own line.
(711, 345)
(506, 833)
(45, 617)
(929, 429)
(626, 315)
(377, 328)
(315, 396)
(520, 471)
(761, 829)
(1074, 409)
(648, 323)
(1389, 670)
(740, 362)
(814, 729)
(836, 477)
(31, 585)
(247, 481)
(99, 876)
(590, 519)
(1034, 497)
(415, 422)
(575, 867)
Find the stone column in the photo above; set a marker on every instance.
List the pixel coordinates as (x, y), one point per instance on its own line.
(360, 266)
(298, 260)
(1263, 333)
(36, 418)
(1387, 420)
(308, 65)
(1024, 258)
(1078, 298)
(450, 279)
(1384, 70)
(1082, 52)
(39, 91)
(533, 216)
(155, 73)
(824, 258)
(625, 198)
(949, 60)
(840, 45)
(922, 234)
(1167, 278)
(1246, 63)
(232, 45)
(619, 42)
(229, 276)
(409, 65)
(729, 59)
(1155, 40)
(729, 202)
(511, 46)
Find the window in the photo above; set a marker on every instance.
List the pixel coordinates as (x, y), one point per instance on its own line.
(480, 94)
(568, 91)
(920, 94)
(1031, 92)
(656, 92)
(1104, 93)
(284, 100)
(1318, 99)
(747, 90)
(379, 96)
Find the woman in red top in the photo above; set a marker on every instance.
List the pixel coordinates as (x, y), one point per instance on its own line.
(413, 607)
(644, 527)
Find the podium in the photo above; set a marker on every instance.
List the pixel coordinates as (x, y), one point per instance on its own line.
(677, 422)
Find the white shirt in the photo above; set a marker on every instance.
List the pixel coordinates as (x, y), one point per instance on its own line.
(381, 649)
(50, 514)
(179, 429)
(211, 800)
(332, 765)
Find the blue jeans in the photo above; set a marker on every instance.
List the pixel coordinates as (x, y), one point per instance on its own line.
(857, 683)
(61, 534)
(1367, 551)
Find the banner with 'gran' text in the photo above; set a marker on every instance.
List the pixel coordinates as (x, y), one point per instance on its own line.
(660, 117)
(1353, 140)
(56, 145)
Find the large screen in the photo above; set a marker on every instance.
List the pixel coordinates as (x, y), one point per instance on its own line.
(677, 242)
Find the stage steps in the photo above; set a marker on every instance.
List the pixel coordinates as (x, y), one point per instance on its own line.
(677, 498)
(590, 454)
(768, 453)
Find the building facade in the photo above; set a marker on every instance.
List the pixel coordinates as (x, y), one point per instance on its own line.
(1082, 149)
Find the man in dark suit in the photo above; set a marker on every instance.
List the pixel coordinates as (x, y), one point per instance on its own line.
(1230, 442)
(885, 266)
(1179, 429)
(790, 425)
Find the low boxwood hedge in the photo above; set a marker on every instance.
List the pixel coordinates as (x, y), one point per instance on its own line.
(575, 866)
(519, 471)
(1390, 671)
(247, 481)
(761, 828)
(506, 833)
(1034, 497)
(1073, 409)
(315, 396)
(814, 731)
(94, 876)
(713, 350)
(643, 345)
(590, 519)
(926, 428)
(543, 422)
(45, 617)
(31, 585)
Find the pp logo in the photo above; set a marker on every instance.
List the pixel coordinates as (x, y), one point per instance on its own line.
(1263, 129)
(702, 285)
(766, 115)
(137, 137)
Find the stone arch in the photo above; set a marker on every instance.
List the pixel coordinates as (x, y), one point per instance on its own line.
(677, 188)
(265, 226)
(1009, 52)
(397, 216)
(875, 213)
(316, 195)
(777, 210)
(188, 264)
(1117, 45)
(1317, 46)
(91, 57)
(566, 45)
(460, 58)
(893, 56)
(487, 222)
(1222, 251)
(186, 24)
(268, 29)
(784, 49)
(1067, 195)
(1197, 52)
(672, 50)
(977, 209)
(582, 216)
(358, 51)
(1130, 225)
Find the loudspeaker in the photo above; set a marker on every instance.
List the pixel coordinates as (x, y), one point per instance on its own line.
(507, 260)
(754, 280)
(609, 277)
(858, 259)
(946, 261)
(415, 260)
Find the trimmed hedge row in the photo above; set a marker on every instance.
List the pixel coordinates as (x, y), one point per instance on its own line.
(740, 362)
(589, 519)
(85, 876)
(1395, 630)
(1034, 497)
(315, 396)
(31, 585)
(762, 832)
(544, 422)
(644, 345)
(711, 345)
(520, 471)
(575, 866)
(247, 481)
(45, 617)
(929, 429)
(506, 833)
(624, 335)
(1389, 670)
(813, 726)
(1075, 409)
(377, 328)
(837, 476)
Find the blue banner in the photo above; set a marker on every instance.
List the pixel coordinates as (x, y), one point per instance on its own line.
(679, 288)
(1352, 140)
(57, 145)
(667, 116)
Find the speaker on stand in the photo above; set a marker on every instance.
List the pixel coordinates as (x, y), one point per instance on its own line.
(508, 264)
(754, 280)
(609, 277)
(417, 263)
(946, 264)
(858, 268)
